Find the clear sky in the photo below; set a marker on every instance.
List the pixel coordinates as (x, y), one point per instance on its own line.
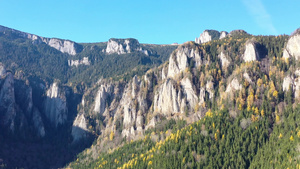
(149, 21)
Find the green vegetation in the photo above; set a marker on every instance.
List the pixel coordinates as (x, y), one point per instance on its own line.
(216, 141)
(45, 62)
(255, 127)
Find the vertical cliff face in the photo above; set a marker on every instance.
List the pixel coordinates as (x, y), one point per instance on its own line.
(56, 105)
(224, 60)
(101, 100)
(123, 46)
(209, 35)
(65, 46)
(204, 37)
(179, 59)
(223, 34)
(292, 48)
(251, 53)
(17, 111)
(292, 82)
(79, 128)
(7, 103)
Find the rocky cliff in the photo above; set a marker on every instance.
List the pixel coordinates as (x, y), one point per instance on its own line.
(292, 48)
(65, 46)
(16, 106)
(76, 63)
(251, 53)
(56, 105)
(122, 46)
(209, 35)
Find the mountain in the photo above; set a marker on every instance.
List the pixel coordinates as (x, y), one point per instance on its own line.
(221, 101)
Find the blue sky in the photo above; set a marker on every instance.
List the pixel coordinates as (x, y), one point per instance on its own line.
(155, 21)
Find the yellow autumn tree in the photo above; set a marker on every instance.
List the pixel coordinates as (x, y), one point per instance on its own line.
(262, 113)
(111, 136)
(292, 138)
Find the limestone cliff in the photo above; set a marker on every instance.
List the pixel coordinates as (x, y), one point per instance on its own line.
(76, 63)
(16, 104)
(223, 34)
(251, 53)
(56, 105)
(122, 46)
(209, 35)
(79, 128)
(292, 82)
(178, 61)
(204, 37)
(224, 60)
(292, 48)
(65, 46)
(7, 103)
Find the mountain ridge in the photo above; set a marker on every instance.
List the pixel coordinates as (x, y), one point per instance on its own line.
(236, 73)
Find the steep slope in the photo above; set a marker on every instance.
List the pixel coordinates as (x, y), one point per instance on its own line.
(237, 85)
(194, 83)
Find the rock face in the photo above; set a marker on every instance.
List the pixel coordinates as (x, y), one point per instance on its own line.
(204, 37)
(209, 35)
(84, 61)
(16, 104)
(105, 91)
(79, 128)
(223, 34)
(7, 103)
(56, 105)
(234, 85)
(288, 83)
(65, 46)
(167, 100)
(251, 53)
(2, 70)
(292, 48)
(178, 61)
(291, 83)
(224, 60)
(123, 46)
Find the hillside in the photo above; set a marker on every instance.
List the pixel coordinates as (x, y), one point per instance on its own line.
(238, 87)
(225, 100)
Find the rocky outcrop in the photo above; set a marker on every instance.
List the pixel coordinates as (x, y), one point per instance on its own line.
(167, 99)
(2, 70)
(234, 85)
(79, 128)
(291, 83)
(204, 37)
(224, 60)
(288, 83)
(210, 89)
(123, 46)
(209, 35)
(16, 104)
(56, 105)
(189, 93)
(251, 53)
(292, 48)
(104, 91)
(7, 103)
(65, 46)
(178, 61)
(223, 34)
(84, 61)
